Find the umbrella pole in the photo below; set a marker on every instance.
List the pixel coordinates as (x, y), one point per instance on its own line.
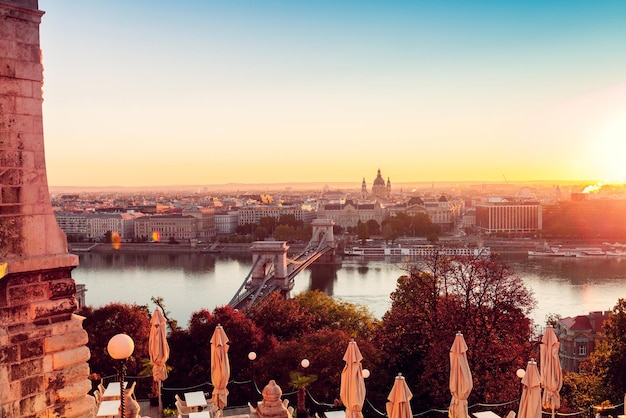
(160, 406)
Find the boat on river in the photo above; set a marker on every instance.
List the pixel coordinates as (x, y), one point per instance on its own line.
(577, 252)
(415, 251)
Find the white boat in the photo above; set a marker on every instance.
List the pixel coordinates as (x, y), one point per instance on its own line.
(416, 251)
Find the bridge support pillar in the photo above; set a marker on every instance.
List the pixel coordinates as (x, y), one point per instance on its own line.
(323, 231)
(264, 255)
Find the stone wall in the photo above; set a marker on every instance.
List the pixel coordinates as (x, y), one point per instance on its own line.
(43, 356)
(43, 359)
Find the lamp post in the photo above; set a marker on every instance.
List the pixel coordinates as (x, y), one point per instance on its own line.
(301, 386)
(252, 357)
(120, 347)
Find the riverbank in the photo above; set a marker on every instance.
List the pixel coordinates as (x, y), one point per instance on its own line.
(497, 245)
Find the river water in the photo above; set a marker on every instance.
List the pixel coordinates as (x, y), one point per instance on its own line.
(190, 282)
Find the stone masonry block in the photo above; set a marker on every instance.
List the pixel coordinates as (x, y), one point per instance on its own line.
(29, 70)
(31, 333)
(28, 34)
(7, 67)
(30, 406)
(8, 354)
(82, 407)
(48, 364)
(13, 87)
(32, 385)
(28, 106)
(7, 104)
(28, 52)
(47, 309)
(74, 390)
(74, 324)
(32, 142)
(8, 28)
(25, 369)
(31, 349)
(62, 288)
(27, 293)
(34, 226)
(64, 342)
(69, 358)
(7, 47)
(15, 315)
(9, 392)
(58, 378)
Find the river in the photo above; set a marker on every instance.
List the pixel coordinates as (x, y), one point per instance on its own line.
(189, 282)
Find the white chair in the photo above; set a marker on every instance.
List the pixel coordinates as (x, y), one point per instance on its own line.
(182, 409)
(98, 397)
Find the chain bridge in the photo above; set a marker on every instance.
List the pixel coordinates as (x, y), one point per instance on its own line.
(273, 271)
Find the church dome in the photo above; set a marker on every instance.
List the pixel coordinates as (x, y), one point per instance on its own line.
(379, 180)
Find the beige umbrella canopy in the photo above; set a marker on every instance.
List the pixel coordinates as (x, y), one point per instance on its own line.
(159, 350)
(530, 403)
(461, 383)
(352, 391)
(220, 367)
(399, 398)
(551, 373)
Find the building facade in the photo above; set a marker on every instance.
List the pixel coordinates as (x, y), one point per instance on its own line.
(251, 215)
(348, 213)
(578, 336)
(166, 227)
(508, 217)
(226, 222)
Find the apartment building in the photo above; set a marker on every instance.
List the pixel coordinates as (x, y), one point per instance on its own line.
(252, 214)
(226, 222)
(508, 217)
(94, 226)
(166, 227)
(578, 336)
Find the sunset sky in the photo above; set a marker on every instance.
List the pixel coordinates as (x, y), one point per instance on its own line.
(140, 93)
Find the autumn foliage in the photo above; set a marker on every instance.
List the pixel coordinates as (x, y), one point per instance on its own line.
(435, 299)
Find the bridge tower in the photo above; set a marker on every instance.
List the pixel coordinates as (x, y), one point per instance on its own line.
(267, 255)
(323, 232)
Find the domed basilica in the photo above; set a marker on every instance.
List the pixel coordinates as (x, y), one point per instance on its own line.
(380, 189)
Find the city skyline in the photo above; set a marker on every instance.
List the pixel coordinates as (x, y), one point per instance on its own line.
(161, 94)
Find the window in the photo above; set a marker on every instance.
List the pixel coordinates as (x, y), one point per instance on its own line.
(582, 350)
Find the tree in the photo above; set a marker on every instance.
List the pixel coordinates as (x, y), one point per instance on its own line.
(260, 233)
(289, 220)
(192, 363)
(608, 360)
(324, 312)
(282, 318)
(389, 233)
(103, 323)
(362, 232)
(284, 233)
(300, 382)
(269, 223)
(373, 227)
(480, 297)
(324, 349)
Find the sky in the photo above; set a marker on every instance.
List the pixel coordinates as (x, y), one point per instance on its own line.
(145, 93)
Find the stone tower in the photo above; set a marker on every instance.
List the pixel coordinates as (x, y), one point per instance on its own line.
(43, 357)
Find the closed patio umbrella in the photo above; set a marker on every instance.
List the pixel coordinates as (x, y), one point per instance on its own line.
(399, 398)
(530, 403)
(352, 391)
(461, 383)
(551, 373)
(159, 351)
(220, 367)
